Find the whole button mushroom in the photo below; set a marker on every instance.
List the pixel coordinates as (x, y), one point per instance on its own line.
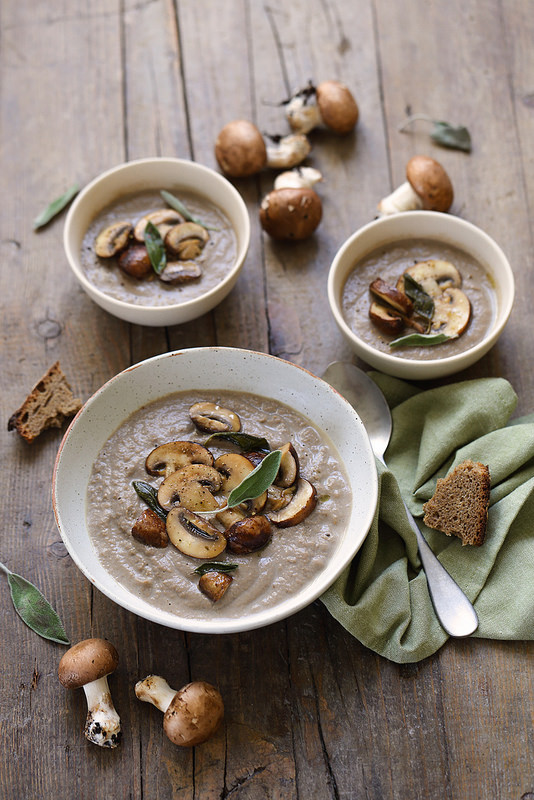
(292, 210)
(86, 665)
(241, 151)
(191, 715)
(427, 187)
(331, 103)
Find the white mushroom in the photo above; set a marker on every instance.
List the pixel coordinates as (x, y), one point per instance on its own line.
(427, 186)
(191, 715)
(331, 103)
(87, 664)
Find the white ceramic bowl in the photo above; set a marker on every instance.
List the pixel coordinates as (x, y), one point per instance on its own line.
(156, 174)
(444, 228)
(201, 369)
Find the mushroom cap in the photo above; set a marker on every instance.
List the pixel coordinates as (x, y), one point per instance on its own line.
(337, 105)
(87, 661)
(195, 713)
(430, 182)
(240, 149)
(291, 213)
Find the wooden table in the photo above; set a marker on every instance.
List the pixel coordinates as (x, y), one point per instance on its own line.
(310, 712)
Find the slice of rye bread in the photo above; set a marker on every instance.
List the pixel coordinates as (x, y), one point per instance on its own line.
(459, 506)
(48, 405)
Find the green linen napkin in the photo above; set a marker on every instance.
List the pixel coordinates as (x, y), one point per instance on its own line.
(382, 597)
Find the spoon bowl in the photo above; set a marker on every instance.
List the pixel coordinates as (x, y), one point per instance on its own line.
(453, 609)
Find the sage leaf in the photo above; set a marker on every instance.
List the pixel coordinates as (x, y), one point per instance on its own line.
(257, 481)
(55, 207)
(34, 609)
(178, 206)
(149, 495)
(422, 301)
(217, 566)
(420, 340)
(245, 441)
(455, 137)
(156, 250)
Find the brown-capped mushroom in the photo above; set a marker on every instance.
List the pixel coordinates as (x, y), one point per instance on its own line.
(385, 319)
(331, 103)
(234, 468)
(178, 272)
(427, 186)
(135, 261)
(289, 466)
(214, 584)
(193, 535)
(150, 529)
(452, 312)
(300, 506)
(433, 275)
(172, 456)
(291, 213)
(113, 239)
(192, 487)
(191, 715)
(213, 418)
(240, 149)
(86, 665)
(186, 240)
(392, 296)
(163, 219)
(248, 535)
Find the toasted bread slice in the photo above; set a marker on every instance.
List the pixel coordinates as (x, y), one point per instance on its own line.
(460, 503)
(48, 405)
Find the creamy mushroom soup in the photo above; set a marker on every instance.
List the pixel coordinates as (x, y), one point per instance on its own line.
(164, 577)
(389, 263)
(215, 260)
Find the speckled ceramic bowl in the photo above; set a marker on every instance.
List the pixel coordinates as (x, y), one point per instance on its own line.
(156, 174)
(202, 369)
(442, 228)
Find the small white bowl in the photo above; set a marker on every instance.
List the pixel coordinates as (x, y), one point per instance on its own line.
(443, 228)
(201, 369)
(155, 174)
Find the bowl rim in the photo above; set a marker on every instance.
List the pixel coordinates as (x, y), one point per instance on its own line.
(435, 365)
(124, 305)
(308, 593)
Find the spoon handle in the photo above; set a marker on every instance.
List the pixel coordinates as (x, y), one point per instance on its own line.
(453, 609)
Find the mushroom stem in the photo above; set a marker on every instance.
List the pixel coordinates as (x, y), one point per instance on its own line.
(404, 198)
(287, 152)
(155, 689)
(103, 724)
(303, 116)
(298, 178)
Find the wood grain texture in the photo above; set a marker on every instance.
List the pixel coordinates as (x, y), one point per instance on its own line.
(310, 712)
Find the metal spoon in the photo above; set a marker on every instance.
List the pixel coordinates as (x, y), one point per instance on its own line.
(454, 611)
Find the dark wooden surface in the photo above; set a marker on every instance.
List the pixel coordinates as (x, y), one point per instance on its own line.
(310, 712)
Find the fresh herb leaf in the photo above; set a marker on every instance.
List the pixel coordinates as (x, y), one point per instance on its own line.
(422, 301)
(420, 340)
(245, 441)
(455, 137)
(34, 609)
(215, 566)
(177, 204)
(55, 207)
(257, 481)
(156, 250)
(149, 495)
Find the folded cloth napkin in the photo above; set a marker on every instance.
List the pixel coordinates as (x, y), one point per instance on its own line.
(382, 597)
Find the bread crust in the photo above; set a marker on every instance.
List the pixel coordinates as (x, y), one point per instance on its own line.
(459, 506)
(48, 405)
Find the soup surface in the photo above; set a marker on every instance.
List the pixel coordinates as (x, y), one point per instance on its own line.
(164, 577)
(389, 263)
(216, 260)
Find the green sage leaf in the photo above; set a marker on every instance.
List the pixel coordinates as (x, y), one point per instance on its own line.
(155, 247)
(257, 481)
(245, 441)
(178, 206)
(451, 136)
(422, 301)
(149, 495)
(55, 207)
(215, 566)
(35, 610)
(420, 340)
